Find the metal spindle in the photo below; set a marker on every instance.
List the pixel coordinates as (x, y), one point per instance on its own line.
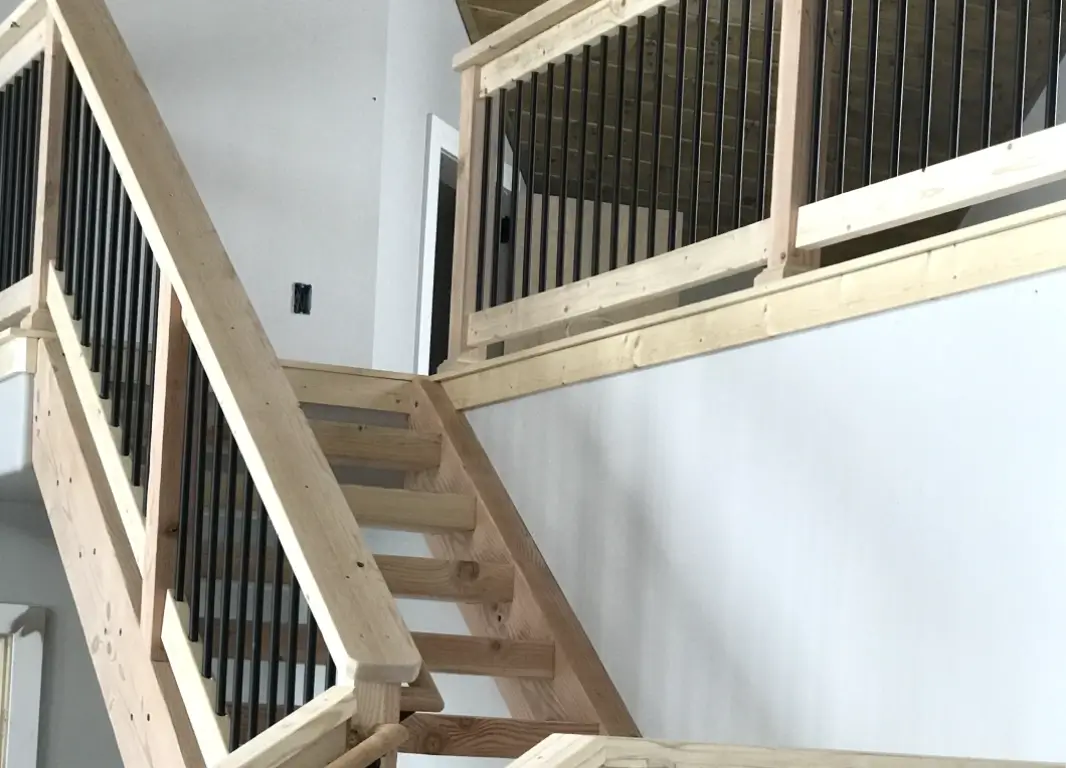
(527, 243)
(895, 159)
(719, 123)
(7, 98)
(72, 279)
(66, 192)
(925, 145)
(545, 193)
(509, 274)
(89, 271)
(99, 258)
(242, 615)
(764, 120)
(638, 120)
(579, 224)
(150, 284)
(497, 199)
(679, 111)
(257, 615)
(294, 635)
(28, 198)
(742, 116)
(123, 309)
(228, 552)
(612, 256)
(845, 89)
(958, 70)
(871, 94)
(116, 208)
(185, 493)
(560, 247)
(102, 319)
(1051, 107)
(13, 242)
(991, 12)
(1021, 52)
(818, 102)
(310, 663)
(486, 157)
(199, 509)
(597, 197)
(331, 673)
(657, 126)
(212, 545)
(136, 305)
(277, 590)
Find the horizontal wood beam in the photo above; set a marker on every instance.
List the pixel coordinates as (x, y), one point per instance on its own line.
(349, 387)
(998, 171)
(451, 735)
(418, 511)
(460, 581)
(22, 39)
(692, 265)
(1011, 247)
(379, 447)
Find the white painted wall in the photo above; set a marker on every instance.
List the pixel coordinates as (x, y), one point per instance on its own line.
(74, 729)
(845, 538)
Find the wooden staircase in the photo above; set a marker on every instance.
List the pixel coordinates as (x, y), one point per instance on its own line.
(432, 477)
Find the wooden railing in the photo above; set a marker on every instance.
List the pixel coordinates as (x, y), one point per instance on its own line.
(168, 433)
(566, 751)
(870, 133)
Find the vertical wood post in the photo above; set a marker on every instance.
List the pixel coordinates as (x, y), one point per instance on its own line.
(792, 139)
(49, 171)
(377, 704)
(164, 472)
(467, 211)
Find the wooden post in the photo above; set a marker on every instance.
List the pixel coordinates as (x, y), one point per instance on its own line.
(164, 472)
(467, 212)
(378, 704)
(792, 140)
(49, 171)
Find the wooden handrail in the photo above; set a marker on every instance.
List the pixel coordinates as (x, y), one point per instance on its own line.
(521, 30)
(345, 591)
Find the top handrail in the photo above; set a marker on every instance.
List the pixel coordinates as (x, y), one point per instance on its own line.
(346, 593)
(521, 30)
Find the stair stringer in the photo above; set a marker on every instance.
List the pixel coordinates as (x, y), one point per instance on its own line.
(147, 716)
(582, 690)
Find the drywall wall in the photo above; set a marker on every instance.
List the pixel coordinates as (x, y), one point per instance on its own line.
(844, 538)
(16, 399)
(74, 728)
(423, 35)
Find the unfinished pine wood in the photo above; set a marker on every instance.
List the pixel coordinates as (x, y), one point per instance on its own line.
(792, 138)
(377, 705)
(728, 254)
(384, 739)
(581, 690)
(975, 178)
(280, 744)
(460, 581)
(565, 750)
(403, 510)
(15, 302)
(106, 438)
(1007, 248)
(150, 726)
(422, 695)
(525, 28)
(49, 171)
(381, 447)
(356, 613)
(29, 44)
(467, 209)
(164, 469)
(351, 388)
(481, 736)
(462, 655)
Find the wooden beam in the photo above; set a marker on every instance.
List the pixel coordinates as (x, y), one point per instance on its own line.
(15, 302)
(460, 581)
(792, 139)
(1031, 161)
(164, 470)
(378, 705)
(348, 388)
(524, 28)
(602, 17)
(581, 690)
(21, 22)
(402, 510)
(692, 265)
(422, 695)
(384, 739)
(49, 171)
(381, 447)
(565, 750)
(451, 735)
(1007, 248)
(30, 43)
(357, 615)
(150, 724)
(472, 127)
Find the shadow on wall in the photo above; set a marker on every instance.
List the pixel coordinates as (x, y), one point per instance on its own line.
(17, 482)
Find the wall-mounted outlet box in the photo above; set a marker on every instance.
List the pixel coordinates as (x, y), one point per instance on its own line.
(301, 298)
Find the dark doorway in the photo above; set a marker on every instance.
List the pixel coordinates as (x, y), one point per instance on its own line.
(442, 266)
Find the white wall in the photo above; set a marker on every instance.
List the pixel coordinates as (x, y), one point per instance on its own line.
(74, 729)
(845, 538)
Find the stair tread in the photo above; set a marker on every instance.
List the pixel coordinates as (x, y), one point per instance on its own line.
(381, 447)
(465, 581)
(403, 510)
(462, 736)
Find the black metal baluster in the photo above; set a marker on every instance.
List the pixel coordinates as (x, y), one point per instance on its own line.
(679, 104)
(117, 207)
(742, 117)
(657, 127)
(486, 157)
(150, 284)
(6, 99)
(331, 673)
(212, 544)
(90, 274)
(527, 242)
(124, 308)
(597, 198)
(717, 177)
(293, 647)
(1022, 51)
(516, 154)
(762, 200)
(845, 92)
(545, 197)
(579, 224)
(310, 664)
(871, 93)
(560, 253)
(612, 257)
(29, 204)
(497, 198)
(958, 70)
(991, 12)
(14, 207)
(638, 121)
(242, 617)
(185, 493)
(274, 652)
(91, 328)
(199, 509)
(66, 189)
(897, 88)
(227, 584)
(1051, 107)
(257, 614)
(72, 278)
(101, 345)
(136, 305)
(927, 83)
(9, 167)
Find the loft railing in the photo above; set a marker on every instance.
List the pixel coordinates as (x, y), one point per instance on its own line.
(614, 155)
(250, 583)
